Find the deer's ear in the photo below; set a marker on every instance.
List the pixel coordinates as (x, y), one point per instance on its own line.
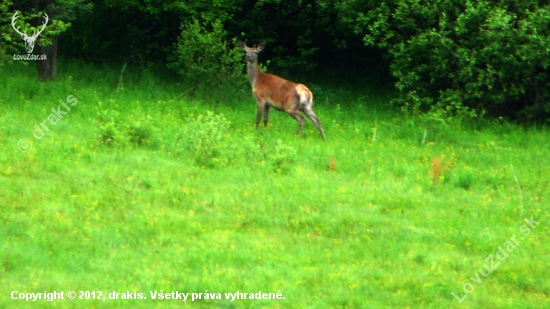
(260, 47)
(241, 44)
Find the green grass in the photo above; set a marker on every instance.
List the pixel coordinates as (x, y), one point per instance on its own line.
(129, 193)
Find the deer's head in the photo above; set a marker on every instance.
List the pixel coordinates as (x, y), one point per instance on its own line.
(251, 53)
(29, 40)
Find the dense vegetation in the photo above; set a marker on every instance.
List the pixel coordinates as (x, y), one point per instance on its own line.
(465, 58)
(451, 58)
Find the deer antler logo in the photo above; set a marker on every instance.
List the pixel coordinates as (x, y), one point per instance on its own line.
(29, 40)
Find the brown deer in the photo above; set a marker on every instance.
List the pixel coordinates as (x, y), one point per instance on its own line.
(281, 94)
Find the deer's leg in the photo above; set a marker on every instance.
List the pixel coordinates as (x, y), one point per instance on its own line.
(311, 115)
(261, 109)
(299, 118)
(266, 115)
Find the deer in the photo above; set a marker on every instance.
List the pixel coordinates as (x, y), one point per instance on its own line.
(281, 94)
(29, 40)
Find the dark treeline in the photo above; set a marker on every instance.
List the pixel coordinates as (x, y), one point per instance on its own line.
(448, 58)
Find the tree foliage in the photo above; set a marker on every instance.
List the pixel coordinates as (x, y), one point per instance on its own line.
(5, 37)
(203, 54)
(467, 57)
(60, 14)
(448, 57)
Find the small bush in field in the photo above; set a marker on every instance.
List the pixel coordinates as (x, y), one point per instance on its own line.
(206, 138)
(141, 131)
(114, 130)
(110, 128)
(464, 181)
(283, 157)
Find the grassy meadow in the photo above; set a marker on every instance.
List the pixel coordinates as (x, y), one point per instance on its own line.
(144, 186)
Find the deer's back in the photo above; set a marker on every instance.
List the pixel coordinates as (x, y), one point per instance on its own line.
(277, 91)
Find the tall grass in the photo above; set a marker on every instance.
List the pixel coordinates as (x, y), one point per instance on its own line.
(143, 187)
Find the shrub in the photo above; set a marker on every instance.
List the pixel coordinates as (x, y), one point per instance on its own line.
(462, 58)
(114, 130)
(203, 54)
(110, 128)
(206, 138)
(464, 181)
(282, 158)
(141, 130)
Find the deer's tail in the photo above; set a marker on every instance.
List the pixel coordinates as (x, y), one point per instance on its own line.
(305, 96)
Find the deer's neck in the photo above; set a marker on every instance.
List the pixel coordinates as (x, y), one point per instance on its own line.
(253, 72)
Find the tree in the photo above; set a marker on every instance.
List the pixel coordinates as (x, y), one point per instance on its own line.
(454, 57)
(203, 55)
(149, 30)
(60, 13)
(5, 29)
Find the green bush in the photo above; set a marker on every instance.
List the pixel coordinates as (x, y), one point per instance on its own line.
(110, 128)
(141, 130)
(462, 58)
(464, 181)
(115, 130)
(206, 138)
(283, 157)
(203, 56)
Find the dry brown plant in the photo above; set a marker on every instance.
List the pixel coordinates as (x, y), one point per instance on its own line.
(439, 168)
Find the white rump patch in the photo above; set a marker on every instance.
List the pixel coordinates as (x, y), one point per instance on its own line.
(304, 98)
